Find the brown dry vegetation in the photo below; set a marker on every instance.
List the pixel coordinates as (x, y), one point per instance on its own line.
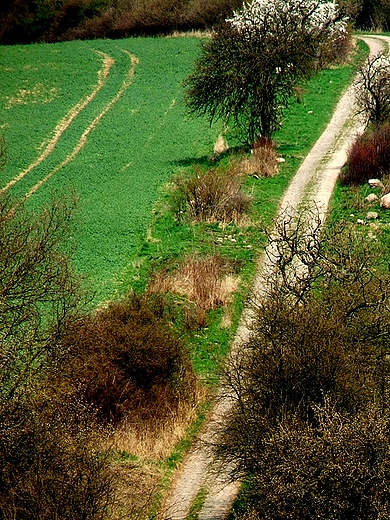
(263, 160)
(310, 425)
(207, 283)
(128, 364)
(218, 194)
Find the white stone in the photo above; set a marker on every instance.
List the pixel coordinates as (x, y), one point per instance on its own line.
(372, 215)
(375, 183)
(385, 201)
(371, 197)
(281, 159)
(221, 145)
(360, 221)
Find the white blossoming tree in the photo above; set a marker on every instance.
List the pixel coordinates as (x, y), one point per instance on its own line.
(247, 71)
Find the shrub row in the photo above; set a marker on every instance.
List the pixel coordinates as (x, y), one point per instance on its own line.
(26, 21)
(310, 430)
(33, 20)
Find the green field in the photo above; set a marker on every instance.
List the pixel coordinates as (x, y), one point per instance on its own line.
(105, 119)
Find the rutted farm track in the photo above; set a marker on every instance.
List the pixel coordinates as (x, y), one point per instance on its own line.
(75, 111)
(103, 119)
(313, 184)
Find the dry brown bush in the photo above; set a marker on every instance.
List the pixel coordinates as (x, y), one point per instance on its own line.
(212, 196)
(339, 470)
(128, 363)
(207, 282)
(368, 157)
(263, 160)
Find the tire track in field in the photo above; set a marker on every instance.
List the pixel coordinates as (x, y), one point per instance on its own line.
(83, 139)
(64, 123)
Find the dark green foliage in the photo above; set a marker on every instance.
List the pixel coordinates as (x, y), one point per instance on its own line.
(127, 360)
(373, 14)
(368, 157)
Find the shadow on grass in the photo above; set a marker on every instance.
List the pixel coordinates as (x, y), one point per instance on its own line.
(210, 161)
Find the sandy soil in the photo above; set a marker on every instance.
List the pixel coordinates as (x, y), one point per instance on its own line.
(313, 183)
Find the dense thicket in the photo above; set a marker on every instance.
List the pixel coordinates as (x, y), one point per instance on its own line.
(26, 21)
(310, 427)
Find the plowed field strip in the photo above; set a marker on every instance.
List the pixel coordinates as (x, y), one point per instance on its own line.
(103, 73)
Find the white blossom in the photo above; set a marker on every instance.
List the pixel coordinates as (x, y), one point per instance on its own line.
(313, 15)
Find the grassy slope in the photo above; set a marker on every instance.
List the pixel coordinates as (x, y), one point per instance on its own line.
(304, 123)
(128, 156)
(138, 144)
(133, 152)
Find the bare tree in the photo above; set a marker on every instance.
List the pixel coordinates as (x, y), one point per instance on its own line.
(39, 294)
(373, 90)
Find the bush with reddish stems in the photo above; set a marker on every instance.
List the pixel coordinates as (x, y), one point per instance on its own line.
(369, 157)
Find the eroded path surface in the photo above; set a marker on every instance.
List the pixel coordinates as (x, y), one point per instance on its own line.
(313, 183)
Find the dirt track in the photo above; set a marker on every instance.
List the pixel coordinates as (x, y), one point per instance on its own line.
(313, 183)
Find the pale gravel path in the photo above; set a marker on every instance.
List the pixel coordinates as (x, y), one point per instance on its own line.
(314, 182)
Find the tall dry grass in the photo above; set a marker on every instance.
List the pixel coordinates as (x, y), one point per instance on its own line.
(207, 283)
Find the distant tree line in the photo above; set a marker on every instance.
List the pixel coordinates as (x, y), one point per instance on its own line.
(27, 21)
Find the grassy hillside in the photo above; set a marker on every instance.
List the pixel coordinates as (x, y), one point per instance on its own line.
(106, 119)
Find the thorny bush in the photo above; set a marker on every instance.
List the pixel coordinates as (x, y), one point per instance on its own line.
(319, 340)
(129, 363)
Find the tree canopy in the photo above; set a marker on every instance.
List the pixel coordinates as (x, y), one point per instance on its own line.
(247, 71)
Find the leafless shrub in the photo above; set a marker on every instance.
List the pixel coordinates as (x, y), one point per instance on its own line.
(373, 90)
(339, 469)
(263, 160)
(212, 196)
(207, 282)
(311, 387)
(40, 296)
(48, 469)
(368, 157)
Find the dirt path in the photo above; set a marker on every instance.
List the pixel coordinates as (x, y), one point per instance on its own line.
(314, 182)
